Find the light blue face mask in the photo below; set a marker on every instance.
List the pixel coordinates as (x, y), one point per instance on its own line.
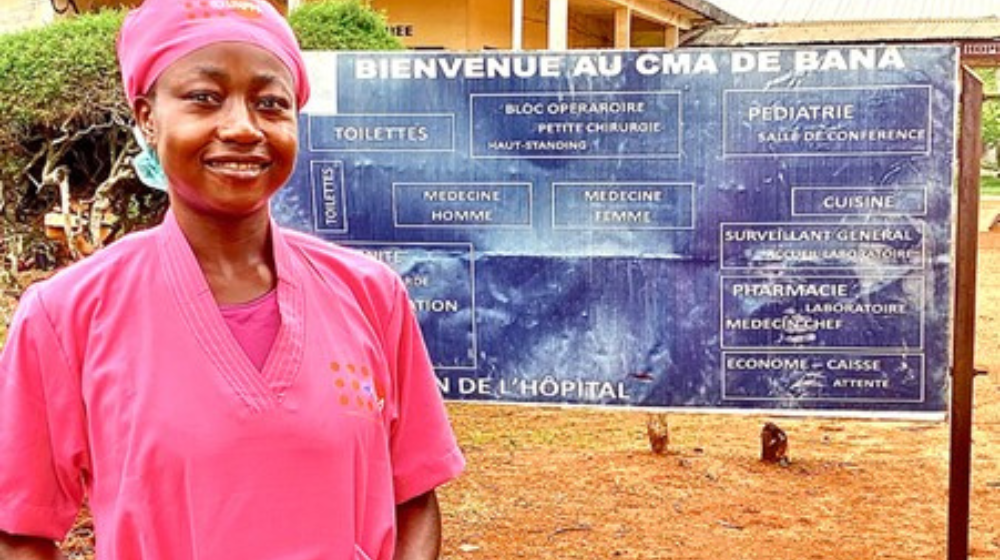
(147, 164)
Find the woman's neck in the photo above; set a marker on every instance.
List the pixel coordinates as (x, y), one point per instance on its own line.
(235, 254)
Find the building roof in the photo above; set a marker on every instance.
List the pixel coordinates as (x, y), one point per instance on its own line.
(708, 11)
(774, 11)
(844, 32)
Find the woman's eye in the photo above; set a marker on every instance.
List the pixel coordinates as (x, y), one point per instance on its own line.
(273, 103)
(202, 97)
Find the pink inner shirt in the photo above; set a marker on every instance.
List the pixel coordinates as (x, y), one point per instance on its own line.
(255, 325)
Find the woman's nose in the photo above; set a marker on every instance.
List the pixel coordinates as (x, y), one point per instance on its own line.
(239, 124)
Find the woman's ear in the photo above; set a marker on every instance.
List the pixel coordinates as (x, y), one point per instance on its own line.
(143, 109)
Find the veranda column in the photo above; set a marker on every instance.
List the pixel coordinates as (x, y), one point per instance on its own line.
(558, 25)
(517, 25)
(671, 36)
(623, 28)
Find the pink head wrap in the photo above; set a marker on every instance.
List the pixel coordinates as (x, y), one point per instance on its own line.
(159, 32)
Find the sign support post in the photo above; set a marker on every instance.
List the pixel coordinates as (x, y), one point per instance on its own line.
(963, 368)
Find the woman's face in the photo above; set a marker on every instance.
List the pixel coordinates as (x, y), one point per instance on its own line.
(223, 122)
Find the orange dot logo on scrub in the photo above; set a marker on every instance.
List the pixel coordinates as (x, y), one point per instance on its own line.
(356, 388)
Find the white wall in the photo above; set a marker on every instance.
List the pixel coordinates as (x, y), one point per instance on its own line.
(16, 15)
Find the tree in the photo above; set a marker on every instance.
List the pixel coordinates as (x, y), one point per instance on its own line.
(991, 113)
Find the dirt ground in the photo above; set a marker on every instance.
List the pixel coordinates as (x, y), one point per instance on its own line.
(550, 483)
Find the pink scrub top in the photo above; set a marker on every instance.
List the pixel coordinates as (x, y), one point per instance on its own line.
(121, 380)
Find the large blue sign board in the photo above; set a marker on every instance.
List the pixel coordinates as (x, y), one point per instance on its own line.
(703, 229)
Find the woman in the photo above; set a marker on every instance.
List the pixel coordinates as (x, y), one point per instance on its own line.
(219, 387)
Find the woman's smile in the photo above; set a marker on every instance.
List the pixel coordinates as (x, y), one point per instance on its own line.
(236, 169)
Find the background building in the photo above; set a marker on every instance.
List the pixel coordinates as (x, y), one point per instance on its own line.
(548, 24)
(22, 14)
(478, 24)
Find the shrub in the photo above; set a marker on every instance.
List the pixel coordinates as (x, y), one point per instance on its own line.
(342, 25)
(58, 76)
(64, 141)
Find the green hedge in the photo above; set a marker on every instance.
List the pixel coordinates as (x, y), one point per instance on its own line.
(347, 25)
(65, 71)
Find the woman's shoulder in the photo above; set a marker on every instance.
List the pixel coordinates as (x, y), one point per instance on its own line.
(109, 269)
(336, 257)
